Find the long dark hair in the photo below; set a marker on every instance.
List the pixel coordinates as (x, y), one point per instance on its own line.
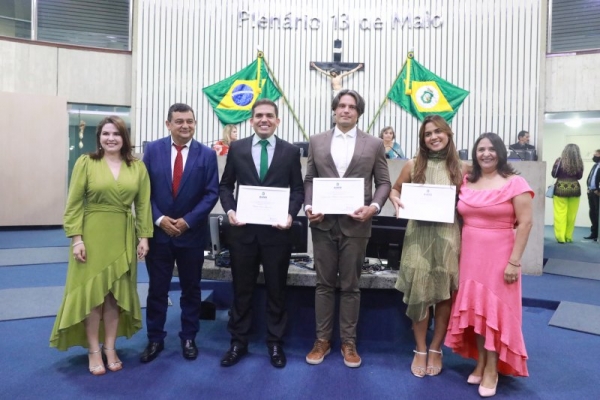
(503, 167)
(452, 160)
(570, 159)
(123, 132)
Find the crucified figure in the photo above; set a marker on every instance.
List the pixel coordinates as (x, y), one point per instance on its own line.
(336, 77)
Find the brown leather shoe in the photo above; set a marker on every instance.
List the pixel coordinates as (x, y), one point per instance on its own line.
(320, 349)
(351, 357)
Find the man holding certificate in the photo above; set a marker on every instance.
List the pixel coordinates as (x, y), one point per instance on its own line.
(268, 175)
(344, 156)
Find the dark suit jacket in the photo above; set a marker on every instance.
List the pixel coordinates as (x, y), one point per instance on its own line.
(368, 162)
(284, 171)
(519, 146)
(589, 179)
(197, 195)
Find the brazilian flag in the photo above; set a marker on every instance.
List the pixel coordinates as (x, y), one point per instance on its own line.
(421, 92)
(233, 97)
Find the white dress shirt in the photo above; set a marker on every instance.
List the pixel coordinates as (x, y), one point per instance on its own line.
(184, 155)
(257, 149)
(342, 149)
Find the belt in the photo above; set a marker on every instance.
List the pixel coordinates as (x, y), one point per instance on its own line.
(129, 227)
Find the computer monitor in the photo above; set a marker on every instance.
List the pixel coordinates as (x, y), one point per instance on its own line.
(387, 237)
(219, 233)
(303, 146)
(522, 155)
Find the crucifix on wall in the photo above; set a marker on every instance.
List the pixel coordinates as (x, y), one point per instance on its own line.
(336, 70)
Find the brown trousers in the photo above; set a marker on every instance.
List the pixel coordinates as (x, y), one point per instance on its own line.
(335, 253)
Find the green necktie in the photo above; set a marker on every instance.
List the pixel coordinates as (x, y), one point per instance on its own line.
(264, 159)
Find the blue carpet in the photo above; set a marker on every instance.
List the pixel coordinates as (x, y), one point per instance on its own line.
(45, 275)
(562, 364)
(557, 288)
(555, 372)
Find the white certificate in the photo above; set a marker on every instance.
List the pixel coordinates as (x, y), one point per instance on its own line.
(263, 205)
(435, 203)
(338, 195)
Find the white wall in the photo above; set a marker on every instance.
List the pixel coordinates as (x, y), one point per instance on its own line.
(492, 48)
(36, 83)
(556, 137)
(573, 83)
(80, 76)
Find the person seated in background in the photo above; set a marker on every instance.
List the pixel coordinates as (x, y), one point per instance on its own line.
(392, 148)
(229, 135)
(522, 142)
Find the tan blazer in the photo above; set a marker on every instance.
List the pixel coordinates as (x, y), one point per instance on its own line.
(368, 162)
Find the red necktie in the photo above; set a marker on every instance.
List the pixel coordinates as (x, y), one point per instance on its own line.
(177, 169)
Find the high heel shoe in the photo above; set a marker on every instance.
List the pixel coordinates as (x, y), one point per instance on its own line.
(96, 369)
(488, 392)
(431, 370)
(113, 366)
(474, 379)
(419, 372)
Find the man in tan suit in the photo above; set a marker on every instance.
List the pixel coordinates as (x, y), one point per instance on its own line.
(340, 241)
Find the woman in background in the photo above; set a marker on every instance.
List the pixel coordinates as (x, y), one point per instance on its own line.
(392, 148)
(101, 281)
(486, 319)
(428, 273)
(567, 170)
(229, 135)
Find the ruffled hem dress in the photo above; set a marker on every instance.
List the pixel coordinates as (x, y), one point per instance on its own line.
(428, 271)
(100, 209)
(485, 305)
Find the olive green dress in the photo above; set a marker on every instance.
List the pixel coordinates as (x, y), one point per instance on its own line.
(429, 266)
(100, 209)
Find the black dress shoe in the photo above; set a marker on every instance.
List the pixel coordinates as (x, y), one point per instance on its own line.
(151, 351)
(277, 355)
(190, 351)
(233, 355)
(591, 238)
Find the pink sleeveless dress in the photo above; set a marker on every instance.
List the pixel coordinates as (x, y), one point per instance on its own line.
(484, 303)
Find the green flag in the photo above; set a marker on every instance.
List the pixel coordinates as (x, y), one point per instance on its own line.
(421, 92)
(233, 97)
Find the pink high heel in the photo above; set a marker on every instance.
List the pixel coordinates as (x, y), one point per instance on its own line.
(488, 392)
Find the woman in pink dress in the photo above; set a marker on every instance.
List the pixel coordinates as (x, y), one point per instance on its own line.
(485, 323)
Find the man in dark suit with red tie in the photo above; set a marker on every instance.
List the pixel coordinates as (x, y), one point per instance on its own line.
(260, 160)
(593, 193)
(184, 189)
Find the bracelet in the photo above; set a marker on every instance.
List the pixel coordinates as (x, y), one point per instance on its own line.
(513, 264)
(77, 243)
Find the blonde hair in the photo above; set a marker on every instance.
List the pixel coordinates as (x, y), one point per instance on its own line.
(227, 134)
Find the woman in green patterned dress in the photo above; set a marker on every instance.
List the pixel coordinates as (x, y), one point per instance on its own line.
(429, 266)
(101, 281)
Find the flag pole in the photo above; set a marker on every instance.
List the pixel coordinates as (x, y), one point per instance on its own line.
(285, 100)
(385, 99)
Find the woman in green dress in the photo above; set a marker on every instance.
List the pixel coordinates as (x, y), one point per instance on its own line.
(101, 300)
(428, 272)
